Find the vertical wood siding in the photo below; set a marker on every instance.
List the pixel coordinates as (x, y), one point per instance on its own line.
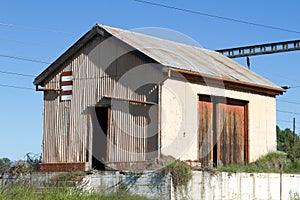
(232, 142)
(205, 130)
(91, 82)
(222, 131)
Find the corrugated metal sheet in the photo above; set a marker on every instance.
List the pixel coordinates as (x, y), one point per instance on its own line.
(91, 83)
(191, 58)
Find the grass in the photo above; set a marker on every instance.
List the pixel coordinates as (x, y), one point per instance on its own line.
(271, 163)
(20, 191)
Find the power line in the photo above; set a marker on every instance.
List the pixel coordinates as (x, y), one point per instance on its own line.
(289, 87)
(292, 102)
(217, 16)
(16, 87)
(26, 42)
(284, 121)
(289, 121)
(282, 77)
(14, 73)
(284, 111)
(25, 58)
(36, 28)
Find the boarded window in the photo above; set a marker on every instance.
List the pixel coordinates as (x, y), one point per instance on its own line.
(222, 131)
(66, 121)
(66, 85)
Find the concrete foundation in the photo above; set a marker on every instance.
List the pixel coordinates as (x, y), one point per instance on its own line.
(203, 185)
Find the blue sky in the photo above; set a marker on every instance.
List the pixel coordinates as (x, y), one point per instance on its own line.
(44, 30)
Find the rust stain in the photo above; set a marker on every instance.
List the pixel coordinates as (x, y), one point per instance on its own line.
(191, 58)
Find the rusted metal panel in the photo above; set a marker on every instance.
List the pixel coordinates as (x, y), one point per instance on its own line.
(205, 130)
(68, 92)
(232, 147)
(66, 73)
(170, 54)
(59, 167)
(186, 57)
(66, 83)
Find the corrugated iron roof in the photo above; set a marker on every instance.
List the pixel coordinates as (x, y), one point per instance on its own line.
(186, 57)
(171, 54)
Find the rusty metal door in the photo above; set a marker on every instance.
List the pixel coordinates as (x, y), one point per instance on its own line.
(231, 146)
(205, 130)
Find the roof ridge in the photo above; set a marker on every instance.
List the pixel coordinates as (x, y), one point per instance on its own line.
(170, 53)
(151, 36)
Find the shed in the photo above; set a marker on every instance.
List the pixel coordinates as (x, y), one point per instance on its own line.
(119, 99)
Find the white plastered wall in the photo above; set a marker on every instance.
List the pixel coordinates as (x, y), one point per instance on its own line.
(180, 119)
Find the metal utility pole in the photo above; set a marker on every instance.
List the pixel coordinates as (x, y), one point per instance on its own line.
(261, 49)
(294, 131)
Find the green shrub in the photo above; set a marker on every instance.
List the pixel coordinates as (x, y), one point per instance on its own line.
(180, 172)
(271, 163)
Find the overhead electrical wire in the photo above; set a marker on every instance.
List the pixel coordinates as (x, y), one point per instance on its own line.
(26, 42)
(140, 1)
(292, 102)
(279, 120)
(288, 122)
(36, 28)
(290, 112)
(16, 87)
(278, 76)
(25, 58)
(15, 73)
(291, 121)
(217, 16)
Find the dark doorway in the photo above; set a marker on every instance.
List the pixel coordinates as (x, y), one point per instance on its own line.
(100, 137)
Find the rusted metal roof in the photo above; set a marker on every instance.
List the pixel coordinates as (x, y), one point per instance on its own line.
(171, 54)
(186, 57)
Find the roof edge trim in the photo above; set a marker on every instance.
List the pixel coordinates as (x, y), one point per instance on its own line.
(273, 90)
(69, 52)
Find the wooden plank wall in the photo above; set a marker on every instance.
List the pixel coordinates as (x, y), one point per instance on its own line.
(90, 83)
(232, 142)
(205, 131)
(222, 131)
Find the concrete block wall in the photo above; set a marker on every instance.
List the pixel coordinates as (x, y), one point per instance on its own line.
(151, 184)
(203, 185)
(206, 185)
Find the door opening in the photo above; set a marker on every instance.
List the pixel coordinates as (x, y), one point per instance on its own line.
(100, 137)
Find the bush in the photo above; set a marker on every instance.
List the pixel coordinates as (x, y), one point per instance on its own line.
(4, 165)
(180, 172)
(271, 163)
(20, 168)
